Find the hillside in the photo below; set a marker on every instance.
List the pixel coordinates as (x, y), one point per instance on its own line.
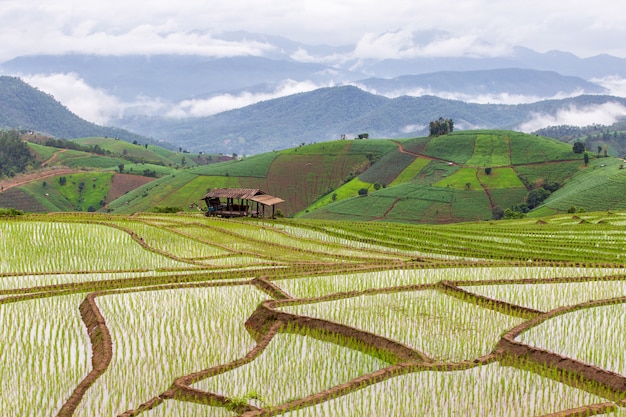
(327, 113)
(475, 84)
(419, 180)
(23, 107)
(79, 179)
(464, 176)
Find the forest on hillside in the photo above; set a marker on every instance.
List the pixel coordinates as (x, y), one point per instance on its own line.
(15, 157)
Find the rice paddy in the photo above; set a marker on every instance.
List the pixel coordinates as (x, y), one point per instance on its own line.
(181, 315)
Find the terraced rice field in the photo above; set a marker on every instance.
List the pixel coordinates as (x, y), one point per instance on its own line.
(182, 315)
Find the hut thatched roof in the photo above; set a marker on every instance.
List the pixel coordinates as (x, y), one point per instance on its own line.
(253, 194)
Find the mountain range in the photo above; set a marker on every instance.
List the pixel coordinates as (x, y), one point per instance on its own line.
(297, 93)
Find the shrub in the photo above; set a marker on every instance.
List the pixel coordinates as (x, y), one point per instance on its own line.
(10, 212)
(167, 209)
(363, 192)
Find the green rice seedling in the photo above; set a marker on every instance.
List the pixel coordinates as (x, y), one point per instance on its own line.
(15, 282)
(173, 408)
(483, 391)
(591, 335)
(51, 246)
(307, 287)
(293, 366)
(45, 353)
(546, 297)
(163, 334)
(170, 242)
(443, 327)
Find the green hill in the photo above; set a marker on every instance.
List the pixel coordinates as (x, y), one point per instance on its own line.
(87, 174)
(464, 176)
(470, 175)
(420, 180)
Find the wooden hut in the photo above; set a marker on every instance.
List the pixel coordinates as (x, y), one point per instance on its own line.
(239, 202)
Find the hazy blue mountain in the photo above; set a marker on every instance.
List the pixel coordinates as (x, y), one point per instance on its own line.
(173, 77)
(327, 113)
(512, 81)
(26, 108)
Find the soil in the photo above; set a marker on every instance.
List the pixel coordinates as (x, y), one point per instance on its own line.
(123, 183)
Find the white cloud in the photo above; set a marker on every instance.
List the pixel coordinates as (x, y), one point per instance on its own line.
(402, 44)
(615, 84)
(87, 102)
(98, 107)
(413, 128)
(495, 98)
(606, 114)
(223, 102)
(120, 26)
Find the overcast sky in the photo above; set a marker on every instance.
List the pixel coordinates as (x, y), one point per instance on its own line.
(374, 28)
(483, 27)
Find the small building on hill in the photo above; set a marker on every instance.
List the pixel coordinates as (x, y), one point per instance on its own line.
(239, 202)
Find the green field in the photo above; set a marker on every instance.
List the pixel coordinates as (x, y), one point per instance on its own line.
(182, 315)
(315, 180)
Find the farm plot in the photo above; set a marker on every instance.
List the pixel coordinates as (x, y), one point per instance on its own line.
(549, 296)
(192, 316)
(442, 327)
(592, 335)
(63, 247)
(162, 334)
(44, 356)
(318, 286)
(291, 367)
(489, 390)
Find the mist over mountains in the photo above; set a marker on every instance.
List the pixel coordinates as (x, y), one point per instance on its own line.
(294, 93)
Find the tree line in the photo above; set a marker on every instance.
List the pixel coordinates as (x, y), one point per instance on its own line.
(15, 156)
(441, 127)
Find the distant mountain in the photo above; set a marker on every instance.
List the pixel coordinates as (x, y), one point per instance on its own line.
(23, 107)
(327, 113)
(562, 62)
(474, 84)
(174, 77)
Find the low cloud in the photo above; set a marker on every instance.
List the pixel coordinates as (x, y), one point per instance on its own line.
(89, 103)
(606, 114)
(96, 106)
(413, 128)
(219, 103)
(614, 83)
(492, 98)
(403, 44)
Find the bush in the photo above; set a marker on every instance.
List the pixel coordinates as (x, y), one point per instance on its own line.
(10, 212)
(167, 209)
(578, 147)
(488, 170)
(363, 192)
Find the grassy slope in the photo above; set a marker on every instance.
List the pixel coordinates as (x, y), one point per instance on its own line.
(430, 180)
(454, 186)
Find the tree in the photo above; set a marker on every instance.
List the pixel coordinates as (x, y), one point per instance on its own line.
(586, 158)
(15, 156)
(363, 192)
(536, 197)
(488, 170)
(441, 127)
(578, 147)
(121, 168)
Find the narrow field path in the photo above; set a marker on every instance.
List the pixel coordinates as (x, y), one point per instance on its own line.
(28, 178)
(53, 158)
(421, 155)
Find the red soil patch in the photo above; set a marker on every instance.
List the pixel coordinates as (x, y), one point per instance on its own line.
(123, 183)
(26, 178)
